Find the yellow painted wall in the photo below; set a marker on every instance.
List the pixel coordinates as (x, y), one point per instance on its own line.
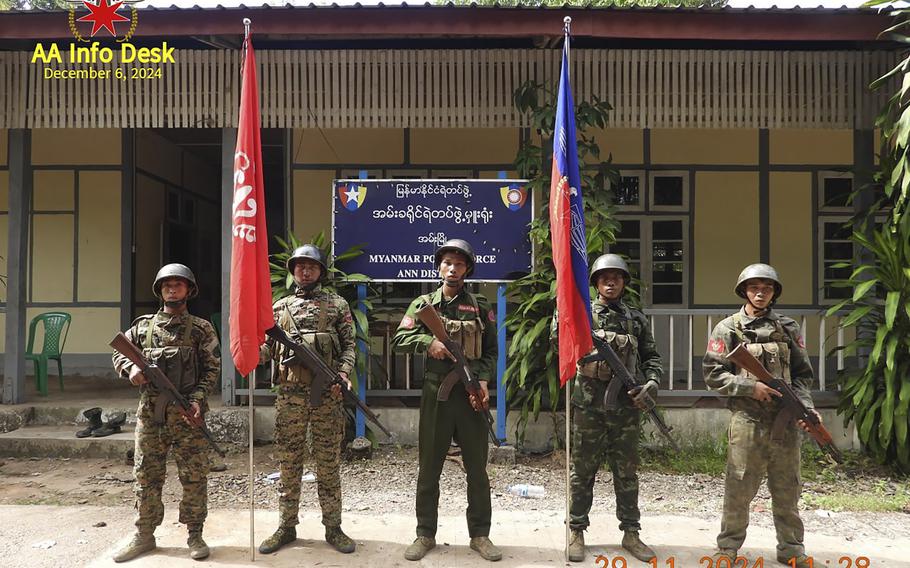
(726, 237)
(708, 146)
(90, 330)
(463, 145)
(791, 229)
(52, 258)
(811, 146)
(54, 190)
(625, 144)
(76, 146)
(348, 146)
(157, 155)
(4, 137)
(312, 190)
(99, 237)
(148, 227)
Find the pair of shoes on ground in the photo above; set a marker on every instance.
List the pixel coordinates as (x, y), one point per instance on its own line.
(286, 535)
(631, 542)
(96, 428)
(481, 544)
(144, 541)
(724, 555)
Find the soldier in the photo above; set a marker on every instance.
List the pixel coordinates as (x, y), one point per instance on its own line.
(599, 433)
(470, 321)
(776, 341)
(186, 349)
(322, 320)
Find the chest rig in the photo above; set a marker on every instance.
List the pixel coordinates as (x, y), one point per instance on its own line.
(624, 343)
(466, 332)
(312, 330)
(768, 345)
(177, 360)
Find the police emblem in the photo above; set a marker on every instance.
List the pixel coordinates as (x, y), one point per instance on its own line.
(352, 196)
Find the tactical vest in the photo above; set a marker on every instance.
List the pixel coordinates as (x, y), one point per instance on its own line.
(624, 344)
(321, 339)
(773, 351)
(178, 361)
(467, 333)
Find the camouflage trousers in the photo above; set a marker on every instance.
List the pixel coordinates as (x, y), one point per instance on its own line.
(599, 435)
(440, 423)
(326, 426)
(191, 452)
(750, 455)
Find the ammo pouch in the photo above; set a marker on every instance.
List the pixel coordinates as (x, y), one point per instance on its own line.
(774, 355)
(293, 371)
(178, 362)
(468, 334)
(626, 348)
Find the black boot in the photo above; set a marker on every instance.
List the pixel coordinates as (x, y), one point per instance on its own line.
(93, 415)
(114, 422)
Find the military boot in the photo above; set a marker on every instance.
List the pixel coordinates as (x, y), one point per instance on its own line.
(339, 541)
(800, 560)
(114, 422)
(640, 550)
(486, 548)
(727, 554)
(198, 548)
(283, 536)
(93, 415)
(419, 548)
(577, 546)
(142, 542)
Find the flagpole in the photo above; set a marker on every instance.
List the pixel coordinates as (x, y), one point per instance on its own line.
(251, 378)
(567, 22)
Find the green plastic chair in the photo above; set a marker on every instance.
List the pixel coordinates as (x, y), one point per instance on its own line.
(56, 326)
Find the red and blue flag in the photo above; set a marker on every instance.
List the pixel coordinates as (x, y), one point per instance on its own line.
(567, 230)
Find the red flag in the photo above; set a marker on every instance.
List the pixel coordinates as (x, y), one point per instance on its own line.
(567, 231)
(251, 291)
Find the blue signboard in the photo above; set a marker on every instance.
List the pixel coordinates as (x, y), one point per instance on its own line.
(401, 223)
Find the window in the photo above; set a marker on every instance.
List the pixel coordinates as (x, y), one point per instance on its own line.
(834, 245)
(656, 249)
(669, 191)
(834, 189)
(629, 191)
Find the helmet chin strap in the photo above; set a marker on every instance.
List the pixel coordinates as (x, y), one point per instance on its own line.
(307, 287)
(174, 304)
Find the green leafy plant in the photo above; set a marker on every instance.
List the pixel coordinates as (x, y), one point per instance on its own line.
(876, 397)
(531, 377)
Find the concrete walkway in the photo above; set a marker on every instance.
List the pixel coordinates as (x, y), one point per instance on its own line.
(46, 536)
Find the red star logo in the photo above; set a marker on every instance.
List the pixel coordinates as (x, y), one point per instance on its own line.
(103, 15)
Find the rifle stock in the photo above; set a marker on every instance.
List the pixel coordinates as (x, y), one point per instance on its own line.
(793, 406)
(323, 375)
(168, 394)
(430, 318)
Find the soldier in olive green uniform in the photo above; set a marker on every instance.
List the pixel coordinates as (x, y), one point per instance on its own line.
(186, 349)
(470, 321)
(322, 320)
(776, 341)
(599, 433)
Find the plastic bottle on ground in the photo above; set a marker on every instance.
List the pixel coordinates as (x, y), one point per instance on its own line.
(525, 490)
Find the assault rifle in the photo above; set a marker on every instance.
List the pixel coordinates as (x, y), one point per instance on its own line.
(430, 318)
(323, 375)
(625, 380)
(168, 394)
(793, 408)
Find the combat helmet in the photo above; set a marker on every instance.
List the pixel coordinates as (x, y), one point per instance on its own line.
(308, 251)
(607, 261)
(175, 270)
(460, 246)
(758, 270)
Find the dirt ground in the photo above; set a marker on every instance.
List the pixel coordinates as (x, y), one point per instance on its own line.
(66, 498)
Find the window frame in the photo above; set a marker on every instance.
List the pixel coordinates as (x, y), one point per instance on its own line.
(832, 174)
(684, 176)
(646, 253)
(642, 194)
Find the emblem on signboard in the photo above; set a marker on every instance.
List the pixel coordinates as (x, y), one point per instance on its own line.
(352, 196)
(513, 196)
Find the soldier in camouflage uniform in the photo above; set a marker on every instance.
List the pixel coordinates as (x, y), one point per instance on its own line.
(186, 349)
(322, 320)
(470, 321)
(599, 433)
(776, 341)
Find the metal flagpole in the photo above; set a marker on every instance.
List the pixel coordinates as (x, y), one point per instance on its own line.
(567, 22)
(251, 378)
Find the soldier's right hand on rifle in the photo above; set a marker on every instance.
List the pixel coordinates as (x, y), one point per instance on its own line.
(136, 377)
(437, 350)
(764, 393)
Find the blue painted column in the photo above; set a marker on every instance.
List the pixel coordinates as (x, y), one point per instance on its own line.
(501, 402)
